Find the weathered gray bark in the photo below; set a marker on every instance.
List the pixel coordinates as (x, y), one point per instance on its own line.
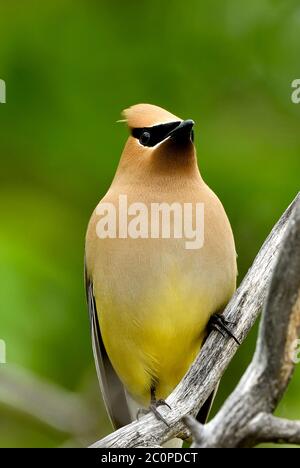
(217, 352)
(246, 417)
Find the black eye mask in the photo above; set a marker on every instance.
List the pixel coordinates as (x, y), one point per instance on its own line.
(151, 136)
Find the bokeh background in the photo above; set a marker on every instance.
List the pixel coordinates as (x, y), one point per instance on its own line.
(70, 68)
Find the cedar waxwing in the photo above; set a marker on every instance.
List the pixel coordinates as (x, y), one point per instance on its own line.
(151, 297)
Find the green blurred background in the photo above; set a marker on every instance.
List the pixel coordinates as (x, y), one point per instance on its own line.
(70, 68)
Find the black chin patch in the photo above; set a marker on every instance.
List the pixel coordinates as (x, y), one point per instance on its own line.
(151, 136)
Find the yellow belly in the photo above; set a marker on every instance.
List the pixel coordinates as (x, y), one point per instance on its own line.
(155, 342)
(154, 298)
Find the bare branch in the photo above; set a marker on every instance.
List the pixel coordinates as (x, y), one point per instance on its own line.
(267, 428)
(280, 324)
(217, 352)
(52, 406)
(267, 377)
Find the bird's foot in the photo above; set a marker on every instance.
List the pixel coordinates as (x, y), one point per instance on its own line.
(160, 402)
(220, 324)
(153, 409)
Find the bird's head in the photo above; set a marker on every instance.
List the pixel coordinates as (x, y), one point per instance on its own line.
(159, 142)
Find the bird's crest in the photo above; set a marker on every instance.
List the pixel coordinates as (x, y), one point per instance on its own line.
(147, 115)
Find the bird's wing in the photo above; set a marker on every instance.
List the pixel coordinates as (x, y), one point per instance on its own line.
(111, 387)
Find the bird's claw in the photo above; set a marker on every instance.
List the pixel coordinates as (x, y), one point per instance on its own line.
(219, 323)
(153, 409)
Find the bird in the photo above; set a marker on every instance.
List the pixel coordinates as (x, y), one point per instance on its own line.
(150, 299)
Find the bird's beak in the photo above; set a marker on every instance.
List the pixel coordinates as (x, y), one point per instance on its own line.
(183, 132)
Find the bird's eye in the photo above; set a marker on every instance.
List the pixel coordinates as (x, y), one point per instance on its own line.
(145, 138)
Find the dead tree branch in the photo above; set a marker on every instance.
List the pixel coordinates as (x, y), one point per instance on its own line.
(246, 417)
(216, 354)
(267, 428)
(49, 405)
